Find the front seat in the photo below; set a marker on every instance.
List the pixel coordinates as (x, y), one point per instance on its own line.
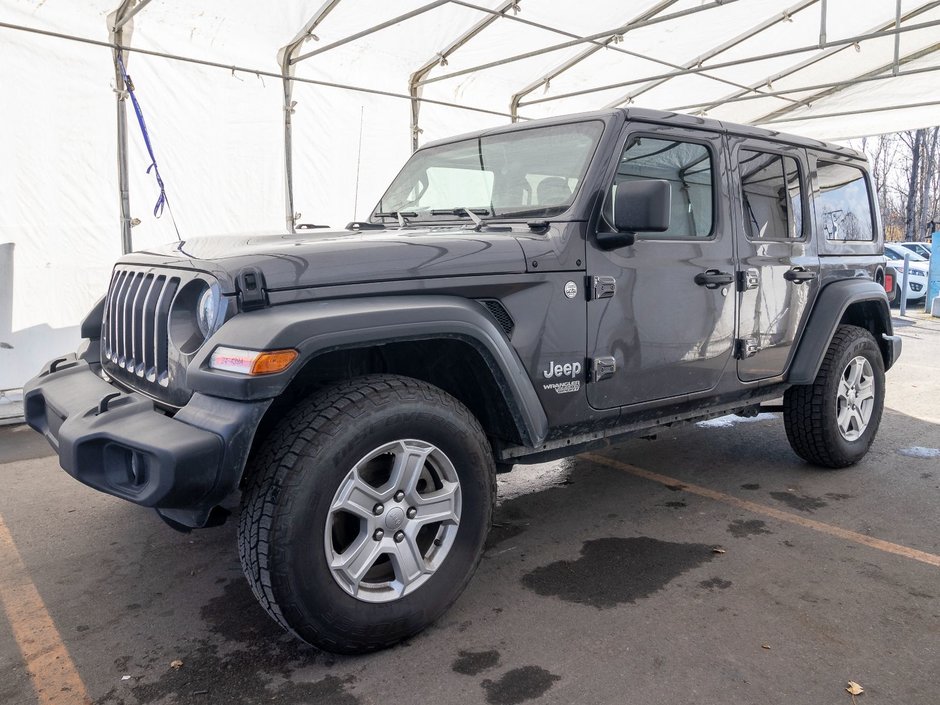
(553, 191)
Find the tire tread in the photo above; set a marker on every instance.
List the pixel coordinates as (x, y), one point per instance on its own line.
(804, 413)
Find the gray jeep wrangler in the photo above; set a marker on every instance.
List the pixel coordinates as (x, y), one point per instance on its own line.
(518, 294)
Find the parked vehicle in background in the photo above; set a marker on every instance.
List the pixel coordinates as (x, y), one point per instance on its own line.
(917, 277)
(920, 248)
(518, 294)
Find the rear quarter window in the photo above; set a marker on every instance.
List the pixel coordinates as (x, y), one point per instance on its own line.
(843, 203)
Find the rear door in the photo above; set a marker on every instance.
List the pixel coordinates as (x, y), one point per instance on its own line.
(656, 328)
(778, 269)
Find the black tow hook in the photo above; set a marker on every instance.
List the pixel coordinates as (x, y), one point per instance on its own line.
(105, 401)
(54, 365)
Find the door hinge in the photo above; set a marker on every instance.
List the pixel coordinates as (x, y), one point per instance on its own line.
(601, 287)
(748, 279)
(746, 347)
(603, 368)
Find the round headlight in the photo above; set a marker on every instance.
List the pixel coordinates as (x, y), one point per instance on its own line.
(195, 315)
(207, 311)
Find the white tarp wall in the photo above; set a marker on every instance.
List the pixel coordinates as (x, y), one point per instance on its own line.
(218, 133)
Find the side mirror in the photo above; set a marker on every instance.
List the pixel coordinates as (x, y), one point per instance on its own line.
(642, 206)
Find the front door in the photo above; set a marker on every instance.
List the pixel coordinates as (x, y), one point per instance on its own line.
(778, 277)
(661, 311)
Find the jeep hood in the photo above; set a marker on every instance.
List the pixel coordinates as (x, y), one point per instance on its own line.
(326, 258)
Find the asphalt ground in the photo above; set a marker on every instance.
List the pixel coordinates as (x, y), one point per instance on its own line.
(708, 566)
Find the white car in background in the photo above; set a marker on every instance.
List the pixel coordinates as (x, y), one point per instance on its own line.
(919, 248)
(917, 277)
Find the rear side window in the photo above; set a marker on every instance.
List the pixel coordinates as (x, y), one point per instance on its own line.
(843, 204)
(772, 196)
(687, 166)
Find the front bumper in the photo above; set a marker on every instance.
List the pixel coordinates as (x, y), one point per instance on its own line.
(118, 442)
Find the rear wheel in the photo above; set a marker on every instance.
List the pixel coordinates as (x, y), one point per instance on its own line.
(366, 512)
(833, 421)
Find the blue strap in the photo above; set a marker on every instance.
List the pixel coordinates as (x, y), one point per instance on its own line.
(161, 200)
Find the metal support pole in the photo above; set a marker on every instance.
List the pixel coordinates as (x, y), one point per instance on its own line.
(285, 58)
(904, 276)
(128, 16)
(897, 40)
(372, 30)
(822, 23)
(288, 87)
(440, 59)
(120, 29)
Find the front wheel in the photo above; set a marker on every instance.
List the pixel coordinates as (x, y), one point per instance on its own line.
(366, 512)
(833, 421)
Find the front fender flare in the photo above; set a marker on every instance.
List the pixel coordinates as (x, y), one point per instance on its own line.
(317, 327)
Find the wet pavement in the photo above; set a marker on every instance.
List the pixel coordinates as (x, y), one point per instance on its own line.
(599, 584)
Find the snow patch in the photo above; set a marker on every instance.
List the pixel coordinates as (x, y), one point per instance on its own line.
(728, 421)
(526, 479)
(920, 452)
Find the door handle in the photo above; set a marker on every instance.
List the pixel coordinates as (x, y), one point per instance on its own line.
(798, 275)
(712, 278)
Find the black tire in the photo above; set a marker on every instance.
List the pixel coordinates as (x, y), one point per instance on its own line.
(292, 482)
(810, 412)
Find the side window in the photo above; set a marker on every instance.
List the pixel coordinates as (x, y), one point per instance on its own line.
(772, 196)
(687, 166)
(843, 204)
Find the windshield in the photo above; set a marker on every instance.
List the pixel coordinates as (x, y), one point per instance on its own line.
(534, 172)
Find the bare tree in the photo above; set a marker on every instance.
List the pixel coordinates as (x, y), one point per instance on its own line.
(905, 170)
(913, 179)
(926, 210)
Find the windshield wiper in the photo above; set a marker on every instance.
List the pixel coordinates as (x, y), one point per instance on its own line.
(473, 214)
(400, 215)
(469, 212)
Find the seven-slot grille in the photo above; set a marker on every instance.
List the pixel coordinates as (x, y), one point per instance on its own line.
(135, 328)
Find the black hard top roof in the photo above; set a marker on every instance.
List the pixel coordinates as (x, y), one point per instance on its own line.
(666, 118)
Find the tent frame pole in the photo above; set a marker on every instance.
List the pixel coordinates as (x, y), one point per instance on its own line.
(841, 43)
(823, 11)
(257, 72)
(285, 57)
(749, 33)
(581, 56)
(120, 29)
(857, 111)
(816, 87)
(816, 58)
(371, 30)
(440, 59)
(574, 42)
(874, 74)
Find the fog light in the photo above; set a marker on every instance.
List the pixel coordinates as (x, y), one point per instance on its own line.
(251, 362)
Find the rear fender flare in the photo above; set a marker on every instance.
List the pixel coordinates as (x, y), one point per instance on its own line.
(831, 304)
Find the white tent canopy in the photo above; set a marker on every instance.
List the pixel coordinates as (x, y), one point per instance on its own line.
(357, 84)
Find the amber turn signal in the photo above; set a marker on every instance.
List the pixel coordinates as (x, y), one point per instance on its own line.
(274, 361)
